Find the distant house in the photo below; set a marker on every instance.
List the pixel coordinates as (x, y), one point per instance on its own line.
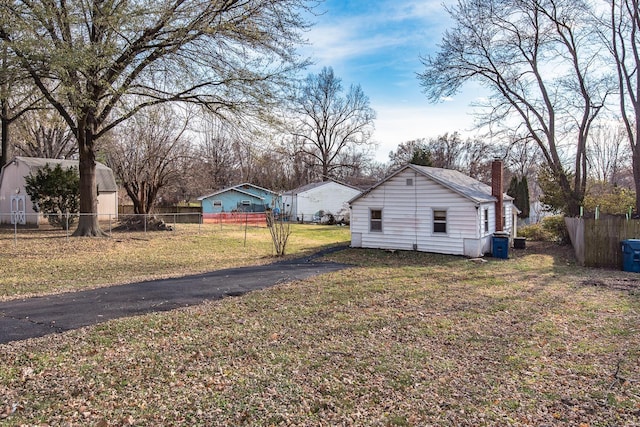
(303, 203)
(432, 210)
(14, 198)
(239, 198)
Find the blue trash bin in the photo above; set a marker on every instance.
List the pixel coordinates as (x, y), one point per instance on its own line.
(631, 255)
(500, 246)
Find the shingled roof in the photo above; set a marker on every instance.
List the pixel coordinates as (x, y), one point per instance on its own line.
(104, 176)
(456, 181)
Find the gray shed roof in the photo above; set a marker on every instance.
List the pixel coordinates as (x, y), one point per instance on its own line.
(456, 181)
(104, 175)
(238, 188)
(317, 184)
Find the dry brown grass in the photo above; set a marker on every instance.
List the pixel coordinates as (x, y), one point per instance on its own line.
(406, 339)
(46, 261)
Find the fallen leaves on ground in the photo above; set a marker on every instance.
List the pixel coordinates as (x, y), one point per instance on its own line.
(400, 339)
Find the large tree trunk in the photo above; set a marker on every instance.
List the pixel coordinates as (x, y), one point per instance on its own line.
(88, 225)
(574, 196)
(636, 173)
(4, 157)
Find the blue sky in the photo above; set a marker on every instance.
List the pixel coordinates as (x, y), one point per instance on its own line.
(378, 44)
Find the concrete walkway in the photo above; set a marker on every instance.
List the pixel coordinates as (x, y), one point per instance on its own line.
(35, 317)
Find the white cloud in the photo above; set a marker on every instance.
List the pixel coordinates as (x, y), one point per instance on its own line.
(336, 38)
(417, 9)
(400, 123)
(336, 43)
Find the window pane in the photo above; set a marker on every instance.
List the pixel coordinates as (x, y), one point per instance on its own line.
(439, 215)
(439, 221)
(375, 223)
(486, 220)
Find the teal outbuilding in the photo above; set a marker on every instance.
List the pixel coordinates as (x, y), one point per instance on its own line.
(239, 198)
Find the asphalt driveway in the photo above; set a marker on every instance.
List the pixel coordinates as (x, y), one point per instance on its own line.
(34, 317)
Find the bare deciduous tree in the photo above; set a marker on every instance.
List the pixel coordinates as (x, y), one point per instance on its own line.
(17, 97)
(145, 153)
(43, 133)
(624, 41)
(100, 62)
(328, 123)
(541, 65)
(405, 152)
(608, 154)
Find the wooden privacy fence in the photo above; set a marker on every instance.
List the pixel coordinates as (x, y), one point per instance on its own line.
(597, 242)
(256, 219)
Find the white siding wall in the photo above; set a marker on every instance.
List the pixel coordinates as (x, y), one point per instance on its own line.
(330, 197)
(13, 178)
(407, 216)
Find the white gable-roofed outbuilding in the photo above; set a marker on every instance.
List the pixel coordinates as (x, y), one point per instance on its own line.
(12, 183)
(329, 196)
(430, 210)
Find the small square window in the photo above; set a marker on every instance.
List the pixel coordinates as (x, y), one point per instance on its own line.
(375, 222)
(409, 182)
(217, 203)
(246, 203)
(439, 221)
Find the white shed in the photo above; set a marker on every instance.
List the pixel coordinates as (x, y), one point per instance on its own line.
(330, 196)
(13, 196)
(431, 210)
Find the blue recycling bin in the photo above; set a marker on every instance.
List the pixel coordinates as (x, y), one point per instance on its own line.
(631, 255)
(500, 246)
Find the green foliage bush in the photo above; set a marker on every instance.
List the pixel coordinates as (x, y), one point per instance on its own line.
(551, 229)
(535, 232)
(56, 193)
(614, 201)
(557, 228)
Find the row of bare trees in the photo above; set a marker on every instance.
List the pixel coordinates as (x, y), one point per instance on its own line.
(172, 152)
(193, 91)
(98, 63)
(555, 70)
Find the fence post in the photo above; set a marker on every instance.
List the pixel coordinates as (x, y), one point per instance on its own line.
(67, 225)
(15, 231)
(145, 223)
(246, 220)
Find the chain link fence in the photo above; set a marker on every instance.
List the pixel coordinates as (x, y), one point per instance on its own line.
(65, 224)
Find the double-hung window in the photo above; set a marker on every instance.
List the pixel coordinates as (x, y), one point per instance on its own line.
(439, 221)
(375, 220)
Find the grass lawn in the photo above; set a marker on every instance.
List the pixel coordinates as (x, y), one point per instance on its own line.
(399, 339)
(51, 263)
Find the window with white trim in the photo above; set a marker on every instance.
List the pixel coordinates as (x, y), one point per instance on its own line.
(246, 203)
(375, 220)
(217, 203)
(486, 220)
(439, 221)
